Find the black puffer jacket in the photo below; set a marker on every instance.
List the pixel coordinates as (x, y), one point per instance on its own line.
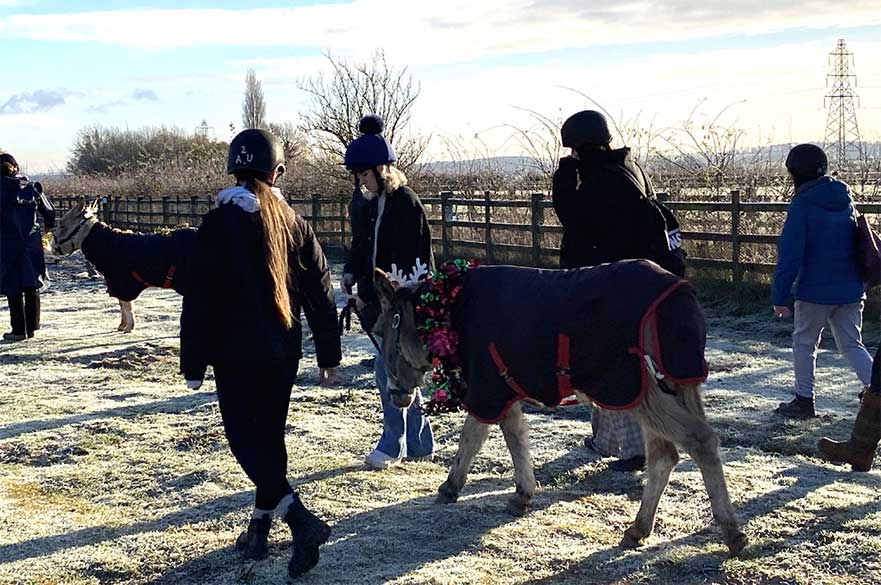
(229, 314)
(404, 236)
(602, 215)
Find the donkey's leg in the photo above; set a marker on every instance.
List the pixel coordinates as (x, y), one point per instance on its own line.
(703, 446)
(128, 317)
(122, 320)
(516, 432)
(473, 435)
(661, 458)
(681, 418)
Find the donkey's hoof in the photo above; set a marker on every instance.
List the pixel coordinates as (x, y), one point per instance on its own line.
(518, 505)
(121, 327)
(445, 495)
(736, 543)
(633, 538)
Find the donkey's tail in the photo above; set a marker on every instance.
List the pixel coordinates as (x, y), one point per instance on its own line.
(672, 411)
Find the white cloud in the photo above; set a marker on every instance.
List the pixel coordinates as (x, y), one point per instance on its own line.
(443, 32)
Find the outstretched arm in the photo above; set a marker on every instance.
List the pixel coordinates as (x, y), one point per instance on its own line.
(319, 304)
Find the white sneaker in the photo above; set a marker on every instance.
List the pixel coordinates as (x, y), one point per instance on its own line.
(379, 460)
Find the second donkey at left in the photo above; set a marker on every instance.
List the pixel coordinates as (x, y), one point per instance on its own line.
(129, 262)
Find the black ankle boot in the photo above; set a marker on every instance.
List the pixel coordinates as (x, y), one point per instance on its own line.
(798, 408)
(308, 532)
(254, 542)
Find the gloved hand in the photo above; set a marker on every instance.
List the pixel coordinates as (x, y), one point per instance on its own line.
(194, 384)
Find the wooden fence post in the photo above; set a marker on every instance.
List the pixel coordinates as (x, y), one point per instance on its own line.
(736, 268)
(139, 210)
(446, 212)
(488, 233)
(104, 209)
(343, 231)
(165, 218)
(193, 214)
(538, 219)
(316, 210)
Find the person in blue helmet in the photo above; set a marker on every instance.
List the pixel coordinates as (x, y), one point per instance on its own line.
(392, 230)
(22, 264)
(817, 273)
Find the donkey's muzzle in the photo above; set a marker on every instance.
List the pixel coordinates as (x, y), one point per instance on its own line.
(402, 398)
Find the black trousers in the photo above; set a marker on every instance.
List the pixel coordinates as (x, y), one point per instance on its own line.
(24, 312)
(254, 400)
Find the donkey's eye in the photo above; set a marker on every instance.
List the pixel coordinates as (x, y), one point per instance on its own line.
(396, 321)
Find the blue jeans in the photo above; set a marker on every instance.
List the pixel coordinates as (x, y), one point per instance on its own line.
(398, 425)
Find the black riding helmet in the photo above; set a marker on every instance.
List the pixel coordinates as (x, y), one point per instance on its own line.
(257, 151)
(807, 161)
(586, 128)
(8, 159)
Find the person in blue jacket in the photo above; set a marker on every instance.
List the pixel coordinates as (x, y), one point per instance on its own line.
(817, 269)
(22, 264)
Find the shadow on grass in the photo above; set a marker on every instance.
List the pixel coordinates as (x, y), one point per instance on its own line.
(176, 405)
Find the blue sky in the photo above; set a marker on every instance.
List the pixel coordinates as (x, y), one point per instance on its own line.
(158, 62)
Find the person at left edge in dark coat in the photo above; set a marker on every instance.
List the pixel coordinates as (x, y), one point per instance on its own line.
(258, 263)
(22, 264)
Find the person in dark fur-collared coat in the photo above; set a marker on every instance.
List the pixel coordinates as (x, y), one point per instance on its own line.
(22, 264)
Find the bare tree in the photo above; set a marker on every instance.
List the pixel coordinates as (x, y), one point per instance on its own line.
(354, 89)
(253, 104)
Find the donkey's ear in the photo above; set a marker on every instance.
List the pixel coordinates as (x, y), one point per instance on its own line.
(384, 288)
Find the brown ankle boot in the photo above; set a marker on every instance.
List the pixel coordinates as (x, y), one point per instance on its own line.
(859, 450)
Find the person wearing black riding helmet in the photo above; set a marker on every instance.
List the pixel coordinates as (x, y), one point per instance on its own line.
(818, 275)
(22, 264)
(258, 263)
(391, 229)
(598, 195)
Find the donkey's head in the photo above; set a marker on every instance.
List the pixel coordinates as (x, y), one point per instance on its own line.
(406, 361)
(73, 227)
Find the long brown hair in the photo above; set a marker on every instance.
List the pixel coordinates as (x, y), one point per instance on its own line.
(280, 239)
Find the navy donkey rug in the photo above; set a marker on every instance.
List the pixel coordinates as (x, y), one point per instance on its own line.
(537, 334)
(132, 262)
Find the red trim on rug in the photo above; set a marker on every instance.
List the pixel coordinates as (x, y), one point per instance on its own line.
(659, 359)
(564, 375)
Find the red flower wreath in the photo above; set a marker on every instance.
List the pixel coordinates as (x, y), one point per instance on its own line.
(435, 324)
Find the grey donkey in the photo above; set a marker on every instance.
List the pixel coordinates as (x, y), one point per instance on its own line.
(670, 412)
(129, 262)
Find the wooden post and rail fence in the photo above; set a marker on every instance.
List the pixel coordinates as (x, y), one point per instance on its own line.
(466, 226)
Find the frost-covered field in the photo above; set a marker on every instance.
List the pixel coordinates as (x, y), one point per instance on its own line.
(112, 472)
